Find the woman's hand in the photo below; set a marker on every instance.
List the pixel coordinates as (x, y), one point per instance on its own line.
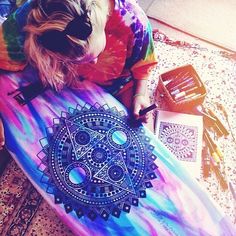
(2, 136)
(140, 102)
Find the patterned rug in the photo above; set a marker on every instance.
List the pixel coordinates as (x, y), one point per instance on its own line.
(24, 212)
(22, 209)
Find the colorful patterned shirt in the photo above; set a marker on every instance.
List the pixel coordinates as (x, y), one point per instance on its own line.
(129, 48)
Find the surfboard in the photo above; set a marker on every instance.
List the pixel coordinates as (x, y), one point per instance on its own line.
(99, 173)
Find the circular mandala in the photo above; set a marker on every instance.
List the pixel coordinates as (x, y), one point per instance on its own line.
(96, 163)
(180, 139)
(119, 137)
(82, 137)
(116, 173)
(77, 175)
(99, 155)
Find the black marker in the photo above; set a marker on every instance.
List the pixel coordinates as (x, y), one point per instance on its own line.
(147, 109)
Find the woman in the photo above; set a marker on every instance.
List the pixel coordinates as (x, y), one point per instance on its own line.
(106, 41)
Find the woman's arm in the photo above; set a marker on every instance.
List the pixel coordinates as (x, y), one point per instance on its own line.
(2, 136)
(140, 100)
(143, 59)
(12, 37)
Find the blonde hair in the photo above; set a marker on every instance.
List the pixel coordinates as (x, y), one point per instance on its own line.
(55, 69)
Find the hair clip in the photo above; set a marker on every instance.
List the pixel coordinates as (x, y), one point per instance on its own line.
(82, 23)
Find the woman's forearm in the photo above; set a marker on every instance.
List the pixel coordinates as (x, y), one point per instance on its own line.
(140, 87)
(2, 137)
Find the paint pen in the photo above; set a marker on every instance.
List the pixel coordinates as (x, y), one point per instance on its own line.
(197, 80)
(168, 79)
(181, 88)
(189, 97)
(180, 83)
(218, 131)
(210, 145)
(232, 190)
(217, 150)
(206, 164)
(218, 122)
(214, 125)
(209, 120)
(214, 150)
(186, 93)
(216, 169)
(182, 76)
(220, 177)
(147, 109)
(166, 82)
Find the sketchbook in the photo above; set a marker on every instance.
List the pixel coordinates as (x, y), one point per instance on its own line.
(182, 135)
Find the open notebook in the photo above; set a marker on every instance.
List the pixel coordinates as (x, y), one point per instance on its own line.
(182, 135)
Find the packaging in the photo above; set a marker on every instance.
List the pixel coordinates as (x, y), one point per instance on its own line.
(182, 88)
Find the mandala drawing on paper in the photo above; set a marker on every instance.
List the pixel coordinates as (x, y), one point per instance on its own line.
(180, 139)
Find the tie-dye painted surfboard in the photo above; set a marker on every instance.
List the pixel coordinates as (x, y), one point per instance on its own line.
(98, 173)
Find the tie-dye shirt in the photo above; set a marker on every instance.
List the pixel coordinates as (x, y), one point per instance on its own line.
(129, 47)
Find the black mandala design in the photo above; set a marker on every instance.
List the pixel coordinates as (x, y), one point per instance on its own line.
(180, 139)
(94, 163)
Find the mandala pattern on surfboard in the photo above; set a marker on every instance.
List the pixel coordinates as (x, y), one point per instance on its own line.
(94, 163)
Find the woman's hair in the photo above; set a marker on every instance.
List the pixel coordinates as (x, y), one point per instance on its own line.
(57, 32)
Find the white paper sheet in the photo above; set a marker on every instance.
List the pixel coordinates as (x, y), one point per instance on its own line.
(182, 134)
